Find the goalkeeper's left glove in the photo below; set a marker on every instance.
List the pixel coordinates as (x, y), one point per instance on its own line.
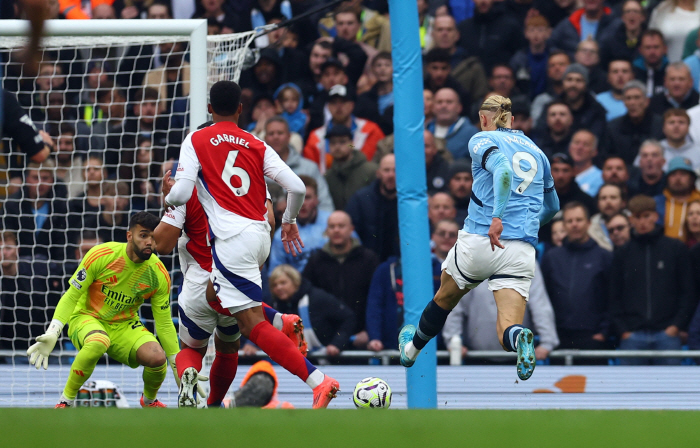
(201, 393)
(40, 351)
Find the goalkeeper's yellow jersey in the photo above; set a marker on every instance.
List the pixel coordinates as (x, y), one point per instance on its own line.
(110, 287)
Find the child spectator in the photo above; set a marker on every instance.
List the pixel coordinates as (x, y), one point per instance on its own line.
(289, 103)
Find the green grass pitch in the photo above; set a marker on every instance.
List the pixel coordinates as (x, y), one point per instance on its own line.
(77, 428)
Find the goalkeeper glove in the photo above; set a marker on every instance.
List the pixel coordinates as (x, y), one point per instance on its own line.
(39, 352)
(201, 393)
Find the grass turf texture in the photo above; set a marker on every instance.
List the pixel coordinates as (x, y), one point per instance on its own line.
(171, 428)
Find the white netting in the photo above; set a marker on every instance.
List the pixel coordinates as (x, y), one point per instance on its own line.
(117, 109)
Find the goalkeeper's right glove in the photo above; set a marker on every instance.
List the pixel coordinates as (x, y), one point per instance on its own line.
(39, 352)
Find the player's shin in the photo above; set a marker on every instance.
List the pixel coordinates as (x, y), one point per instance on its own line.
(431, 322)
(153, 378)
(223, 371)
(283, 351)
(188, 357)
(94, 346)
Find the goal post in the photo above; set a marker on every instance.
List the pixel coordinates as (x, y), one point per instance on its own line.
(193, 29)
(411, 186)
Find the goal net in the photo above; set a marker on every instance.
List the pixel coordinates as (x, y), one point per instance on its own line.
(117, 108)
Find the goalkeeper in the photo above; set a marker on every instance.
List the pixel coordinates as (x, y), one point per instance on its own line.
(101, 310)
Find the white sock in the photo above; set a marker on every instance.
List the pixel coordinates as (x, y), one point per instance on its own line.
(67, 400)
(315, 379)
(411, 351)
(277, 321)
(148, 400)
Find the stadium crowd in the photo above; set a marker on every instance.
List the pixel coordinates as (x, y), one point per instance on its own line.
(607, 89)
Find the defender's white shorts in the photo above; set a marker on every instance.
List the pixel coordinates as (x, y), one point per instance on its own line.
(198, 320)
(471, 261)
(236, 270)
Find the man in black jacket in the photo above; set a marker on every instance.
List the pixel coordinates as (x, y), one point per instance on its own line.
(39, 214)
(374, 210)
(678, 90)
(576, 277)
(626, 133)
(652, 296)
(344, 268)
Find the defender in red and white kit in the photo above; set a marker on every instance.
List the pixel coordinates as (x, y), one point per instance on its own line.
(186, 226)
(228, 166)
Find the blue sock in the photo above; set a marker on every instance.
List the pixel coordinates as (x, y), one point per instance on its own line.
(510, 337)
(431, 322)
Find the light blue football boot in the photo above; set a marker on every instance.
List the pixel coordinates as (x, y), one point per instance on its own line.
(406, 336)
(526, 354)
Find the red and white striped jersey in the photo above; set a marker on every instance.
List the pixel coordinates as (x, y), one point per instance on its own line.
(229, 167)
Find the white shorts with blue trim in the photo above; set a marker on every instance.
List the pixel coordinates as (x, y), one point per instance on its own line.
(471, 261)
(198, 320)
(236, 270)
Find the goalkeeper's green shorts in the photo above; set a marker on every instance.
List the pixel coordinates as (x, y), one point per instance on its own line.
(125, 337)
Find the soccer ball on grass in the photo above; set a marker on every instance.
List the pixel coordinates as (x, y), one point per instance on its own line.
(372, 393)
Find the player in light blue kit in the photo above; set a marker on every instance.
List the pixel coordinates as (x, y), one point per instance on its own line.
(512, 196)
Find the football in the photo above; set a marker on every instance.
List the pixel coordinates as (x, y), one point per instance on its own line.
(372, 393)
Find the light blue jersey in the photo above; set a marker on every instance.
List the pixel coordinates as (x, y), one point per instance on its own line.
(508, 154)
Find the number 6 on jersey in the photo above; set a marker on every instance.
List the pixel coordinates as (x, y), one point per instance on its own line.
(230, 170)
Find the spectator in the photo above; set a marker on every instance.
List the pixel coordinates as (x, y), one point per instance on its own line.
(626, 133)
(567, 189)
(558, 232)
(694, 115)
(530, 64)
(111, 107)
(277, 135)
(693, 62)
(144, 190)
(172, 79)
(615, 172)
(365, 136)
(592, 21)
(587, 112)
(377, 104)
(113, 220)
(321, 50)
(265, 77)
(428, 99)
(425, 23)
(373, 26)
(374, 211)
(499, 47)
(437, 76)
(69, 164)
(473, 320)
(556, 66)
(441, 206)
(449, 126)
(648, 317)
(83, 210)
(619, 74)
(459, 186)
(443, 238)
(677, 142)
(262, 109)
(621, 41)
(672, 205)
(587, 54)
(437, 168)
(348, 23)
(502, 82)
(583, 149)
(350, 170)
(29, 292)
(522, 121)
(557, 136)
(650, 179)
(577, 276)
(678, 90)
(312, 225)
(284, 41)
(610, 203)
(385, 303)
(445, 37)
(675, 19)
(650, 66)
(619, 230)
(344, 269)
(328, 322)
(38, 213)
(289, 103)
(555, 11)
(691, 225)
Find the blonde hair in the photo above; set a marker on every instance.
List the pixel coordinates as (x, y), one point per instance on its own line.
(289, 271)
(500, 106)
